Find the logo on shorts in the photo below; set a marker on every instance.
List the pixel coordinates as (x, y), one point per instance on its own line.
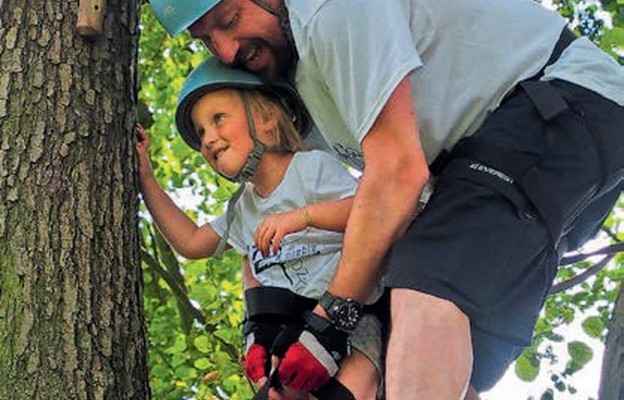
(494, 172)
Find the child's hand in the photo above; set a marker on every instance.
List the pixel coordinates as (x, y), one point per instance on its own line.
(142, 148)
(271, 231)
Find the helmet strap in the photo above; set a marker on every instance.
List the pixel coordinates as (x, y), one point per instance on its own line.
(253, 160)
(229, 217)
(282, 16)
(245, 174)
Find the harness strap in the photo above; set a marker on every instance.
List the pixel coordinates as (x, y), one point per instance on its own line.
(512, 166)
(273, 302)
(229, 217)
(565, 39)
(548, 102)
(266, 301)
(263, 301)
(547, 110)
(333, 390)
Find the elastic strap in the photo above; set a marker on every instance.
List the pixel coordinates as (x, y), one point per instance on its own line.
(246, 172)
(333, 390)
(229, 217)
(282, 16)
(267, 300)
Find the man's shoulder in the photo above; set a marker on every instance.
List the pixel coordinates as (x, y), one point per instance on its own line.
(305, 11)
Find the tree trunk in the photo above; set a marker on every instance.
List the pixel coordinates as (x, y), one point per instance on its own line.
(71, 316)
(612, 376)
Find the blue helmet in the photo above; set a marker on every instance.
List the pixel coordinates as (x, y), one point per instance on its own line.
(212, 75)
(178, 15)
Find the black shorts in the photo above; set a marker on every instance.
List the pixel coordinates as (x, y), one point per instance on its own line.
(486, 244)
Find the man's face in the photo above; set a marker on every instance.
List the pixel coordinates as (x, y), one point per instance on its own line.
(242, 34)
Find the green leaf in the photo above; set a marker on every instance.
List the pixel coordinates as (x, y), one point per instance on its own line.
(178, 359)
(202, 364)
(202, 344)
(547, 395)
(527, 367)
(184, 372)
(581, 354)
(612, 40)
(178, 346)
(593, 327)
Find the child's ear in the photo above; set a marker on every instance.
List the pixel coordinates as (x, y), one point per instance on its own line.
(270, 119)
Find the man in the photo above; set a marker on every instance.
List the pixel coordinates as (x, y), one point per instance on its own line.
(393, 86)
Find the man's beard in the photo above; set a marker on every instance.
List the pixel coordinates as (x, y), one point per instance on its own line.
(284, 57)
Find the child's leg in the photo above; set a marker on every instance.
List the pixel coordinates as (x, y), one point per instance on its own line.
(360, 376)
(362, 371)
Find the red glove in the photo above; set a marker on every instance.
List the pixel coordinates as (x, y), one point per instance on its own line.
(259, 337)
(310, 354)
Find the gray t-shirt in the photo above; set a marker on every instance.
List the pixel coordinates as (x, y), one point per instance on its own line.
(462, 57)
(307, 259)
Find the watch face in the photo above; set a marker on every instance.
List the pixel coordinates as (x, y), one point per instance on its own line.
(347, 316)
(343, 313)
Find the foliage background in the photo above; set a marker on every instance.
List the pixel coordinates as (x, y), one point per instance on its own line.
(194, 308)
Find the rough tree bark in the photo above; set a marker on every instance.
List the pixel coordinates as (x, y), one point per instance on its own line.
(612, 377)
(71, 317)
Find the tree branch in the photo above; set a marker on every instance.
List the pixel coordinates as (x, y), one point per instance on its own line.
(178, 292)
(593, 270)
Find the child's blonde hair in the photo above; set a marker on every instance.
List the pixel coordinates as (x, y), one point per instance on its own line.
(287, 139)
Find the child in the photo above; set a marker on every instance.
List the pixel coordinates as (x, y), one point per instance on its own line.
(285, 219)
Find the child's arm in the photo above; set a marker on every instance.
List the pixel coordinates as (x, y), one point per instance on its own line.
(181, 232)
(328, 215)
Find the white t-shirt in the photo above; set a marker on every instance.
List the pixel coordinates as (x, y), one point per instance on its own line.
(462, 57)
(307, 259)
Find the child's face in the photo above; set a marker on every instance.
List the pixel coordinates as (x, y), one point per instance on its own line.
(221, 124)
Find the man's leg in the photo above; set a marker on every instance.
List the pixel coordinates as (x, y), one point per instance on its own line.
(430, 350)
(472, 394)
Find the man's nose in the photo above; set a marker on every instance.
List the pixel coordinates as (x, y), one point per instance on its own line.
(224, 47)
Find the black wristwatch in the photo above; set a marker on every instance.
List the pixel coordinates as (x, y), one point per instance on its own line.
(343, 313)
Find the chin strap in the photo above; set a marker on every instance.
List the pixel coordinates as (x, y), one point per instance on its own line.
(282, 16)
(245, 174)
(253, 160)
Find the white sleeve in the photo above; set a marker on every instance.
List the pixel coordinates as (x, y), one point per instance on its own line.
(363, 49)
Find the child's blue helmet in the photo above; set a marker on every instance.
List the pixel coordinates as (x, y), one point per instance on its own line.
(178, 15)
(212, 75)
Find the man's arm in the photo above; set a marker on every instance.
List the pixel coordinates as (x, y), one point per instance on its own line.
(385, 202)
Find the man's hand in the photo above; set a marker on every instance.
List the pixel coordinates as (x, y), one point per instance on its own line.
(310, 355)
(259, 337)
(271, 231)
